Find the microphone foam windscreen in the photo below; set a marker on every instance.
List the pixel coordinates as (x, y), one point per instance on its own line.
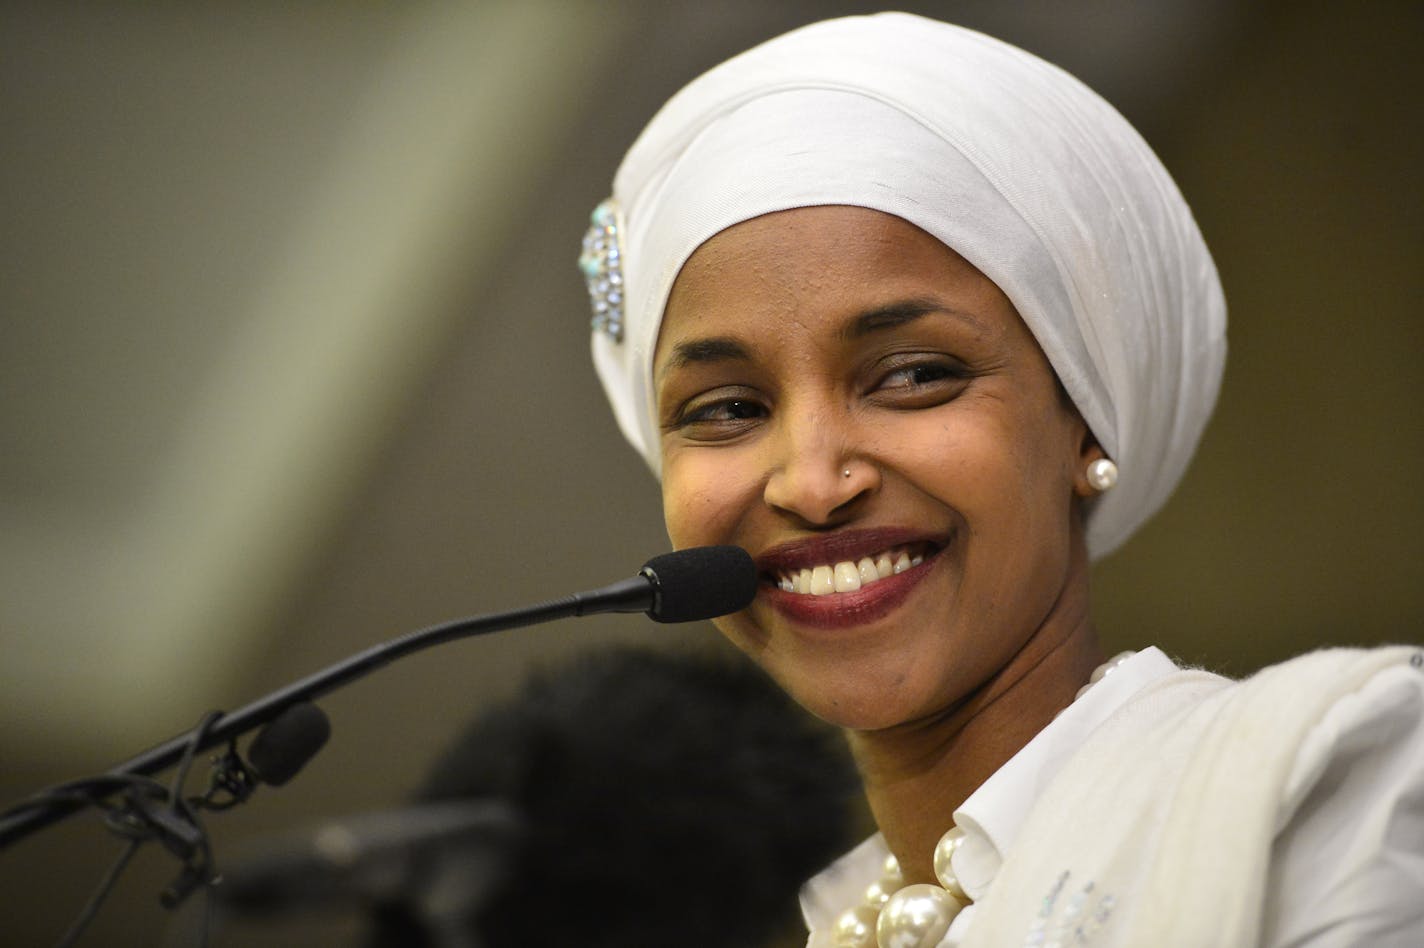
(285, 745)
(667, 800)
(701, 583)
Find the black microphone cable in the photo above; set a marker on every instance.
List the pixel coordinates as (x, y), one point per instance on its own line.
(140, 809)
(150, 811)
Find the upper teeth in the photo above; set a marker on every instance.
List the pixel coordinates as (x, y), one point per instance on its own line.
(848, 575)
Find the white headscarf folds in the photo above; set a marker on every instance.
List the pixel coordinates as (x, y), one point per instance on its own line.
(1014, 164)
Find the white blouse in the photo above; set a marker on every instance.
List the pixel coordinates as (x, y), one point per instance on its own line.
(1348, 862)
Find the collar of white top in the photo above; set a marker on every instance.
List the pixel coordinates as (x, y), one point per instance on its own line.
(992, 815)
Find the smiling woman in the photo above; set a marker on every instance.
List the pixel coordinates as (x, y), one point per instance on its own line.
(892, 407)
(920, 322)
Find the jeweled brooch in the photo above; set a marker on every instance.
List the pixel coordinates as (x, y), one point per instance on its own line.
(602, 266)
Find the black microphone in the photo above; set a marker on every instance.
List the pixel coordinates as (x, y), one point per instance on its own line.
(683, 586)
(284, 746)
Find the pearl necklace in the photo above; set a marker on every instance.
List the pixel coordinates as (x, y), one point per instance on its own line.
(894, 915)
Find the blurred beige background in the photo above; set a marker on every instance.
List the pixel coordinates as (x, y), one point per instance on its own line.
(294, 359)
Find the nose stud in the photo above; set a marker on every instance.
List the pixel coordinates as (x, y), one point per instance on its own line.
(845, 473)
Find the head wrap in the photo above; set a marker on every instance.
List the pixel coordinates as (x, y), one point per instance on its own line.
(1010, 161)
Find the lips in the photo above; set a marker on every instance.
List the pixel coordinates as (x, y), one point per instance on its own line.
(846, 579)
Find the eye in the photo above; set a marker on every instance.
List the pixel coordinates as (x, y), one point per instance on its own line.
(921, 382)
(733, 409)
(923, 374)
(717, 419)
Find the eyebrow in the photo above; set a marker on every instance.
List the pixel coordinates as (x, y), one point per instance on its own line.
(726, 348)
(696, 351)
(898, 314)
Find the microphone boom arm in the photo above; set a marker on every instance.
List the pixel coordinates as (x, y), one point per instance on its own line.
(636, 594)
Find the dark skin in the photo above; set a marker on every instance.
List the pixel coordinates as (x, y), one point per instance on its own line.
(916, 776)
(833, 381)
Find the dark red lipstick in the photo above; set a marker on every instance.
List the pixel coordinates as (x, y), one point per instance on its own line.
(845, 609)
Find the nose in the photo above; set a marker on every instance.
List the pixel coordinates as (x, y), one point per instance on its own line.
(817, 476)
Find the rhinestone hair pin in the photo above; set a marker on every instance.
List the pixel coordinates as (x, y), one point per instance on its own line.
(602, 266)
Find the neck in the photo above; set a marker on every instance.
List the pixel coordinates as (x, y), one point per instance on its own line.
(917, 774)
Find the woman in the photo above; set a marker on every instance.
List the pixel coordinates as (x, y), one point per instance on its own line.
(919, 321)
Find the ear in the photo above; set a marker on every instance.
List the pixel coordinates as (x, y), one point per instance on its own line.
(1088, 451)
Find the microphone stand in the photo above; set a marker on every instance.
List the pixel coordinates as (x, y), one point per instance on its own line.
(683, 586)
(630, 595)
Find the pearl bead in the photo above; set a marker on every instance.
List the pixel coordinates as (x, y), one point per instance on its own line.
(1102, 670)
(944, 868)
(855, 928)
(879, 893)
(916, 917)
(890, 873)
(1102, 474)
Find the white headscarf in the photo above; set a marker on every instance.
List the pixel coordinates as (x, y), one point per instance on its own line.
(1014, 164)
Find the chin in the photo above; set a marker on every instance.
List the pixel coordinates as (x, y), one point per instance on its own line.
(865, 681)
(853, 697)
(878, 717)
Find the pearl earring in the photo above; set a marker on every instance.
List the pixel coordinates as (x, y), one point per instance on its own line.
(1102, 474)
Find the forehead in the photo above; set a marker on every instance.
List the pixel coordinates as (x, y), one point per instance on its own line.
(816, 265)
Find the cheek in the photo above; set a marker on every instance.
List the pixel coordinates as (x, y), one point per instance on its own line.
(702, 502)
(963, 454)
(1004, 471)
(1034, 500)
